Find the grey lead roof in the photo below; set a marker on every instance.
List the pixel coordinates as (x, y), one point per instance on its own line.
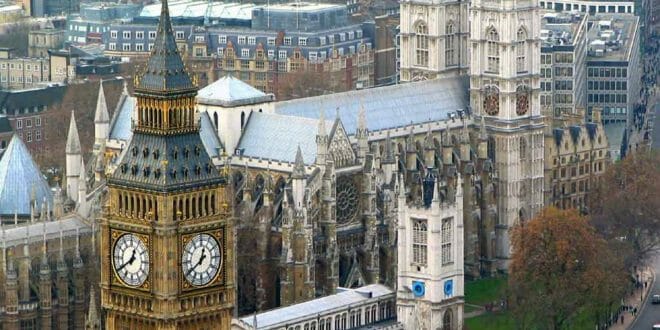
(70, 226)
(209, 134)
(320, 306)
(230, 92)
(165, 70)
(277, 137)
(20, 178)
(387, 107)
(120, 128)
(165, 163)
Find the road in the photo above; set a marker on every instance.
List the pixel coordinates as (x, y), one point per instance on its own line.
(656, 126)
(650, 313)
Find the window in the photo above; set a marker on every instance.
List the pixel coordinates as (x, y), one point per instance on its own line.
(139, 35)
(152, 35)
(28, 136)
(126, 34)
(126, 47)
(450, 46)
(37, 135)
(331, 39)
(271, 41)
(179, 35)
(446, 240)
(28, 123)
(113, 34)
(139, 47)
(419, 241)
(302, 41)
(252, 40)
(313, 56)
(351, 35)
(521, 45)
(281, 54)
(112, 46)
(37, 121)
(221, 52)
(322, 41)
(287, 41)
(19, 124)
(222, 39)
(245, 52)
(151, 47)
(422, 45)
(493, 51)
(271, 53)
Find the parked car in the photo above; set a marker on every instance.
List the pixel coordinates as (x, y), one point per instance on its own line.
(655, 299)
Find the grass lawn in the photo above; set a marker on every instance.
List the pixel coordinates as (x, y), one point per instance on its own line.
(469, 308)
(491, 321)
(486, 290)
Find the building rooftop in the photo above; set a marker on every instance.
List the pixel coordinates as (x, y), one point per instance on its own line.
(71, 226)
(277, 137)
(229, 91)
(21, 182)
(560, 29)
(387, 107)
(611, 37)
(340, 300)
(195, 9)
(302, 7)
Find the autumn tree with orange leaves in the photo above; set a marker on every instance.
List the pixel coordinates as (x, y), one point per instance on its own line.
(560, 267)
(625, 205)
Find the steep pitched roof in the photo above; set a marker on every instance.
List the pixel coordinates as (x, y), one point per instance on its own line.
(165, 70)
(277, 137)
(101, 115)
(230, 92)
(389, 106)
(72, 140)
(20, 178)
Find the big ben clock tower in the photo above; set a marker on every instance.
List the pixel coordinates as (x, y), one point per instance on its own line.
(504, 93)
(166, 234)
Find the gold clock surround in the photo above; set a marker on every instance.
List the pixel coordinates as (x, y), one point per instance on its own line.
(116, 280)
(220, 276)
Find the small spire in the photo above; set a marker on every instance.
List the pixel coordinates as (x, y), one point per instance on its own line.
(362, 118)
(101, 116)
(73, 140)
(82, 184)
(299, 166)
(125, 89)
(482, 129)
(322, 131)
(389, 154)
(92, 314)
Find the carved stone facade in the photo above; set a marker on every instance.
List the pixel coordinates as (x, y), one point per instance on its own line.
(434, 39)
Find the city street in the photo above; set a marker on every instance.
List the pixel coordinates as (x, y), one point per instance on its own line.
(650, 313)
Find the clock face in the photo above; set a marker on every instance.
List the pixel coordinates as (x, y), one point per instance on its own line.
(131, 260)
(491, 102)
(201, 259)
(522, 104)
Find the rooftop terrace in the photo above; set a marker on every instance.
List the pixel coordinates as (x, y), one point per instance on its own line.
(611, 37)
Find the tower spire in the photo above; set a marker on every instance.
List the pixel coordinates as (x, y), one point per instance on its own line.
(299, 165)
(72, 140)
(92, 321)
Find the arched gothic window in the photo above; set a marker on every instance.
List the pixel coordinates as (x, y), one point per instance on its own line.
(521, 49)
(523, 148)
(450, 45)
(242, 119)
(446, 320)
(215, 119)
(422, 45)
(493, 51)
(491, 149)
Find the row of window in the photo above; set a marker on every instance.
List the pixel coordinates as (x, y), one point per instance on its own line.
(28, 122)
(139, 35)
(288, 41)
(25, 110)
(350, 320)
(607, 85)
(607, 98)
(608, 72)
(28, 135)
(20, 79)
(19, 66)
(83, 28)
(420, 241)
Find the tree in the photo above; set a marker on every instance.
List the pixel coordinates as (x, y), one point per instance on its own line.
(560, 266)
(625, 204)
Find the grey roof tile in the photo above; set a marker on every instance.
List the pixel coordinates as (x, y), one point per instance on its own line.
(387, 107)
(20, 178)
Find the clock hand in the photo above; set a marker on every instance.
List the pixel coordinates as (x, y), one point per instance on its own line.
(129, 262)
(199, 262)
